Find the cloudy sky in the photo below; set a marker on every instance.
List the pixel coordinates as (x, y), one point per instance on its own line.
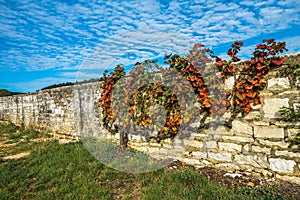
(48, 42)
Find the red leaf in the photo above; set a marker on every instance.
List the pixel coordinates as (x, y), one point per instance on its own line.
(248, 87)
(279, 61)
(260, 67)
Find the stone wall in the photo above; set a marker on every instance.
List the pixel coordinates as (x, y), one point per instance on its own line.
(258, 142)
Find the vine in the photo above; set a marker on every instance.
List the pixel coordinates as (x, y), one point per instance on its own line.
(198, 69)
(250, 80)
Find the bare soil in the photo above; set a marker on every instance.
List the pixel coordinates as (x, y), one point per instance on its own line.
(289, 190)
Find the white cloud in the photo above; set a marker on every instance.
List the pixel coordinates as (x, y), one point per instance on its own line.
(142, 45)
(292, 43)
(80, 34)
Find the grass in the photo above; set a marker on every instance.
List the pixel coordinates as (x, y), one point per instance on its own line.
(69, 171)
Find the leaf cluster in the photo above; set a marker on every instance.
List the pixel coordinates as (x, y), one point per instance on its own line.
(199, 69)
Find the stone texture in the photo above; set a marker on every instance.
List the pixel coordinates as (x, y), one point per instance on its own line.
(210, 144)
(282, 165)
(220, 156)
(278, 84)
(259, 149)
(199, 154)
(253, 115)
(246, 148)
(267, 132)
(136, 137)
(193, 143)
(241, 127)
(254, 160)
(191, 161)
(289, 179)
(229, 83)
(271, 106)
(268, 143)
(231, 147)
(237, 139)
(287, 154)
(227, 166)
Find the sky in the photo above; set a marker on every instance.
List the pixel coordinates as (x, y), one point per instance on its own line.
(53, 41)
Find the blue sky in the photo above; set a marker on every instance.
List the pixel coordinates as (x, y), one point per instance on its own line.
(48, 42)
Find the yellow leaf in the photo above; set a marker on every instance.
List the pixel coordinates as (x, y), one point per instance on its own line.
(250, 184)
(186, 119)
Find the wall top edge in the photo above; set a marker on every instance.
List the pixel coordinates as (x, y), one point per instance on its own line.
(77, 86)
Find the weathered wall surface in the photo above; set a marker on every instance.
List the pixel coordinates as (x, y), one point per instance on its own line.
(257, 143)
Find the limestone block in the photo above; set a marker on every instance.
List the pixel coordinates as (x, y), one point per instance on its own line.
(291, 179)
(261, 123)
(282, 165)
(220, 156)
(246, 148)
(136, 137)
(191, 161)
(227, 166)
(210, 144)
(199, 154)
(254, 160)
(287, 154)
(237, 139)
(193, 143)
(241, 127)
(268, 143)
(253, 115)
(278, 84)
(199, 136)
(271, 106)
(229, 83)
(176, 142)
(232, 147)
(206, 163)
(154, 144)
(259, 149)
(288, 93)
(267, 132)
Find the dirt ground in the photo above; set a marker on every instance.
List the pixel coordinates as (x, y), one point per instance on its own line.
(289, 190)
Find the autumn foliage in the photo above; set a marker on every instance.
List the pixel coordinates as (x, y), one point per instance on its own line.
(206, 74)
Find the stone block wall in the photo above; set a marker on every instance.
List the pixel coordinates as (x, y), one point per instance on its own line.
(258, 142)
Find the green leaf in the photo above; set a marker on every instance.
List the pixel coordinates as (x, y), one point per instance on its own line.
(240, 96)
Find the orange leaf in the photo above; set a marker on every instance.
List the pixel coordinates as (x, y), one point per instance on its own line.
(257, 101)
(248, 87)
(251, 94)
(206, 103)
(247, 110)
